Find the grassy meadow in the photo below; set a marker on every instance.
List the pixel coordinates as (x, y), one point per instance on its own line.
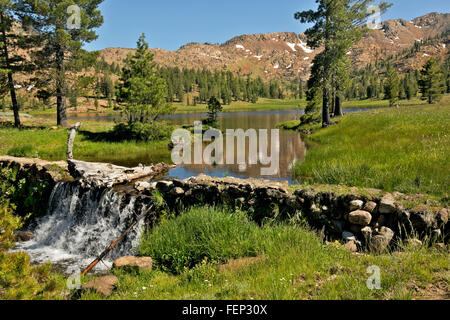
(222, 255)
(39, 139)
(405, 149)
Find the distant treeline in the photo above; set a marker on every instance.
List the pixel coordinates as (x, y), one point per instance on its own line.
(198, 86)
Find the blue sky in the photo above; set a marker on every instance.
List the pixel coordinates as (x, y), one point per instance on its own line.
(170, 24)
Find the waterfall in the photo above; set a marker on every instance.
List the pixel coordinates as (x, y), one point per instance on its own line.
(80, 224)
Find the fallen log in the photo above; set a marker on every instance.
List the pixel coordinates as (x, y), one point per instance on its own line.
(114, 244)
(108, 175)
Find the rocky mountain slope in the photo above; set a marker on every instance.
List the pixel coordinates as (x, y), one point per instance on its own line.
(285, 55)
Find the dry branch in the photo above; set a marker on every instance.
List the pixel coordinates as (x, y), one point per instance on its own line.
(70, 140)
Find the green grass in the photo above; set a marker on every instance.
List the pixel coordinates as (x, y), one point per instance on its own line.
(293, 264)
(405, 149)
(198, 234)
(49, 143)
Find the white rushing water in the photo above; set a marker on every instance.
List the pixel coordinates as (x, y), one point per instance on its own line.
(80, 224)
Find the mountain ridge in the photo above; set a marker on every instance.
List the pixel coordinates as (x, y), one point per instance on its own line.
(285, 55)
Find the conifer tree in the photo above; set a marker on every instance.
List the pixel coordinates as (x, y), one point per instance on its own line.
(432, 82)
(392, 86)
(63, 27)
(337, 26)
(141, 88)
(11, 63)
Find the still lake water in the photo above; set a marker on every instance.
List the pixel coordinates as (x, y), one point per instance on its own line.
(291, 147)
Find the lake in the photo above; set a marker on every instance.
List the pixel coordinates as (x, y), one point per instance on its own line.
(290, 144)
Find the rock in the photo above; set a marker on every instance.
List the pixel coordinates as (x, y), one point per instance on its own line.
(356, 205)
(413, 242)
(177, 191)
(370, 206)
(104, 285)
(314, 209)
(387, 205)
(351, 246)
(378, 244)
(142, 185)
(381, 240)
(367, 234)
(134, 263)
(164, 185)
(442, 217)
(360, 217)
(22, 236)
(348, 236)
(422, 218)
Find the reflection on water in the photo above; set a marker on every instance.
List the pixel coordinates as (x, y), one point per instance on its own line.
(291, 146)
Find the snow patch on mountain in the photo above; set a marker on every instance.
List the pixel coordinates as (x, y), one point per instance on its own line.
(291, 45)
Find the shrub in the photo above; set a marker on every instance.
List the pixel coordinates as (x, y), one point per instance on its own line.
(311, 118)
(141, 131)
(214, 234)
(23, 151)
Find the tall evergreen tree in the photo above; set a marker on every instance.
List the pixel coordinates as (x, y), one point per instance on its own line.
(337, 26)
(141, 88)
(432, 83)
(11, 63)
(392, 86)
(63, 30)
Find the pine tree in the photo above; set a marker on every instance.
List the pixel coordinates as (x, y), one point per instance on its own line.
(336, 28)
(141, 87)
(432, 82)
(214, 107)
(11, 63)
(60, 50)
(392, 86)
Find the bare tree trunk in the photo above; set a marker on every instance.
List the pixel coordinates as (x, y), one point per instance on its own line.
(61, 89)
(12, 90)
(326, 109)
(71, 139)
(338, 106)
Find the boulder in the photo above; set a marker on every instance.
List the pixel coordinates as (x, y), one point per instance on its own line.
(422, 218)
(387, 204)
(104, 285)
(348, 236)
(22, 236)
(134, 263)
(381, 240)
(367, 234)
(351, 246)
(177, 191)
(413, 242)
(370, 206)
(356, 205)
(360, 217)
(442, 217)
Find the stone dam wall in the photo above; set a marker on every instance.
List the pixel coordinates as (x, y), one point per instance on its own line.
(363, 220)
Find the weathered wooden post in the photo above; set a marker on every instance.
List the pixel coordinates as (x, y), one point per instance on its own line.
(70, 140)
